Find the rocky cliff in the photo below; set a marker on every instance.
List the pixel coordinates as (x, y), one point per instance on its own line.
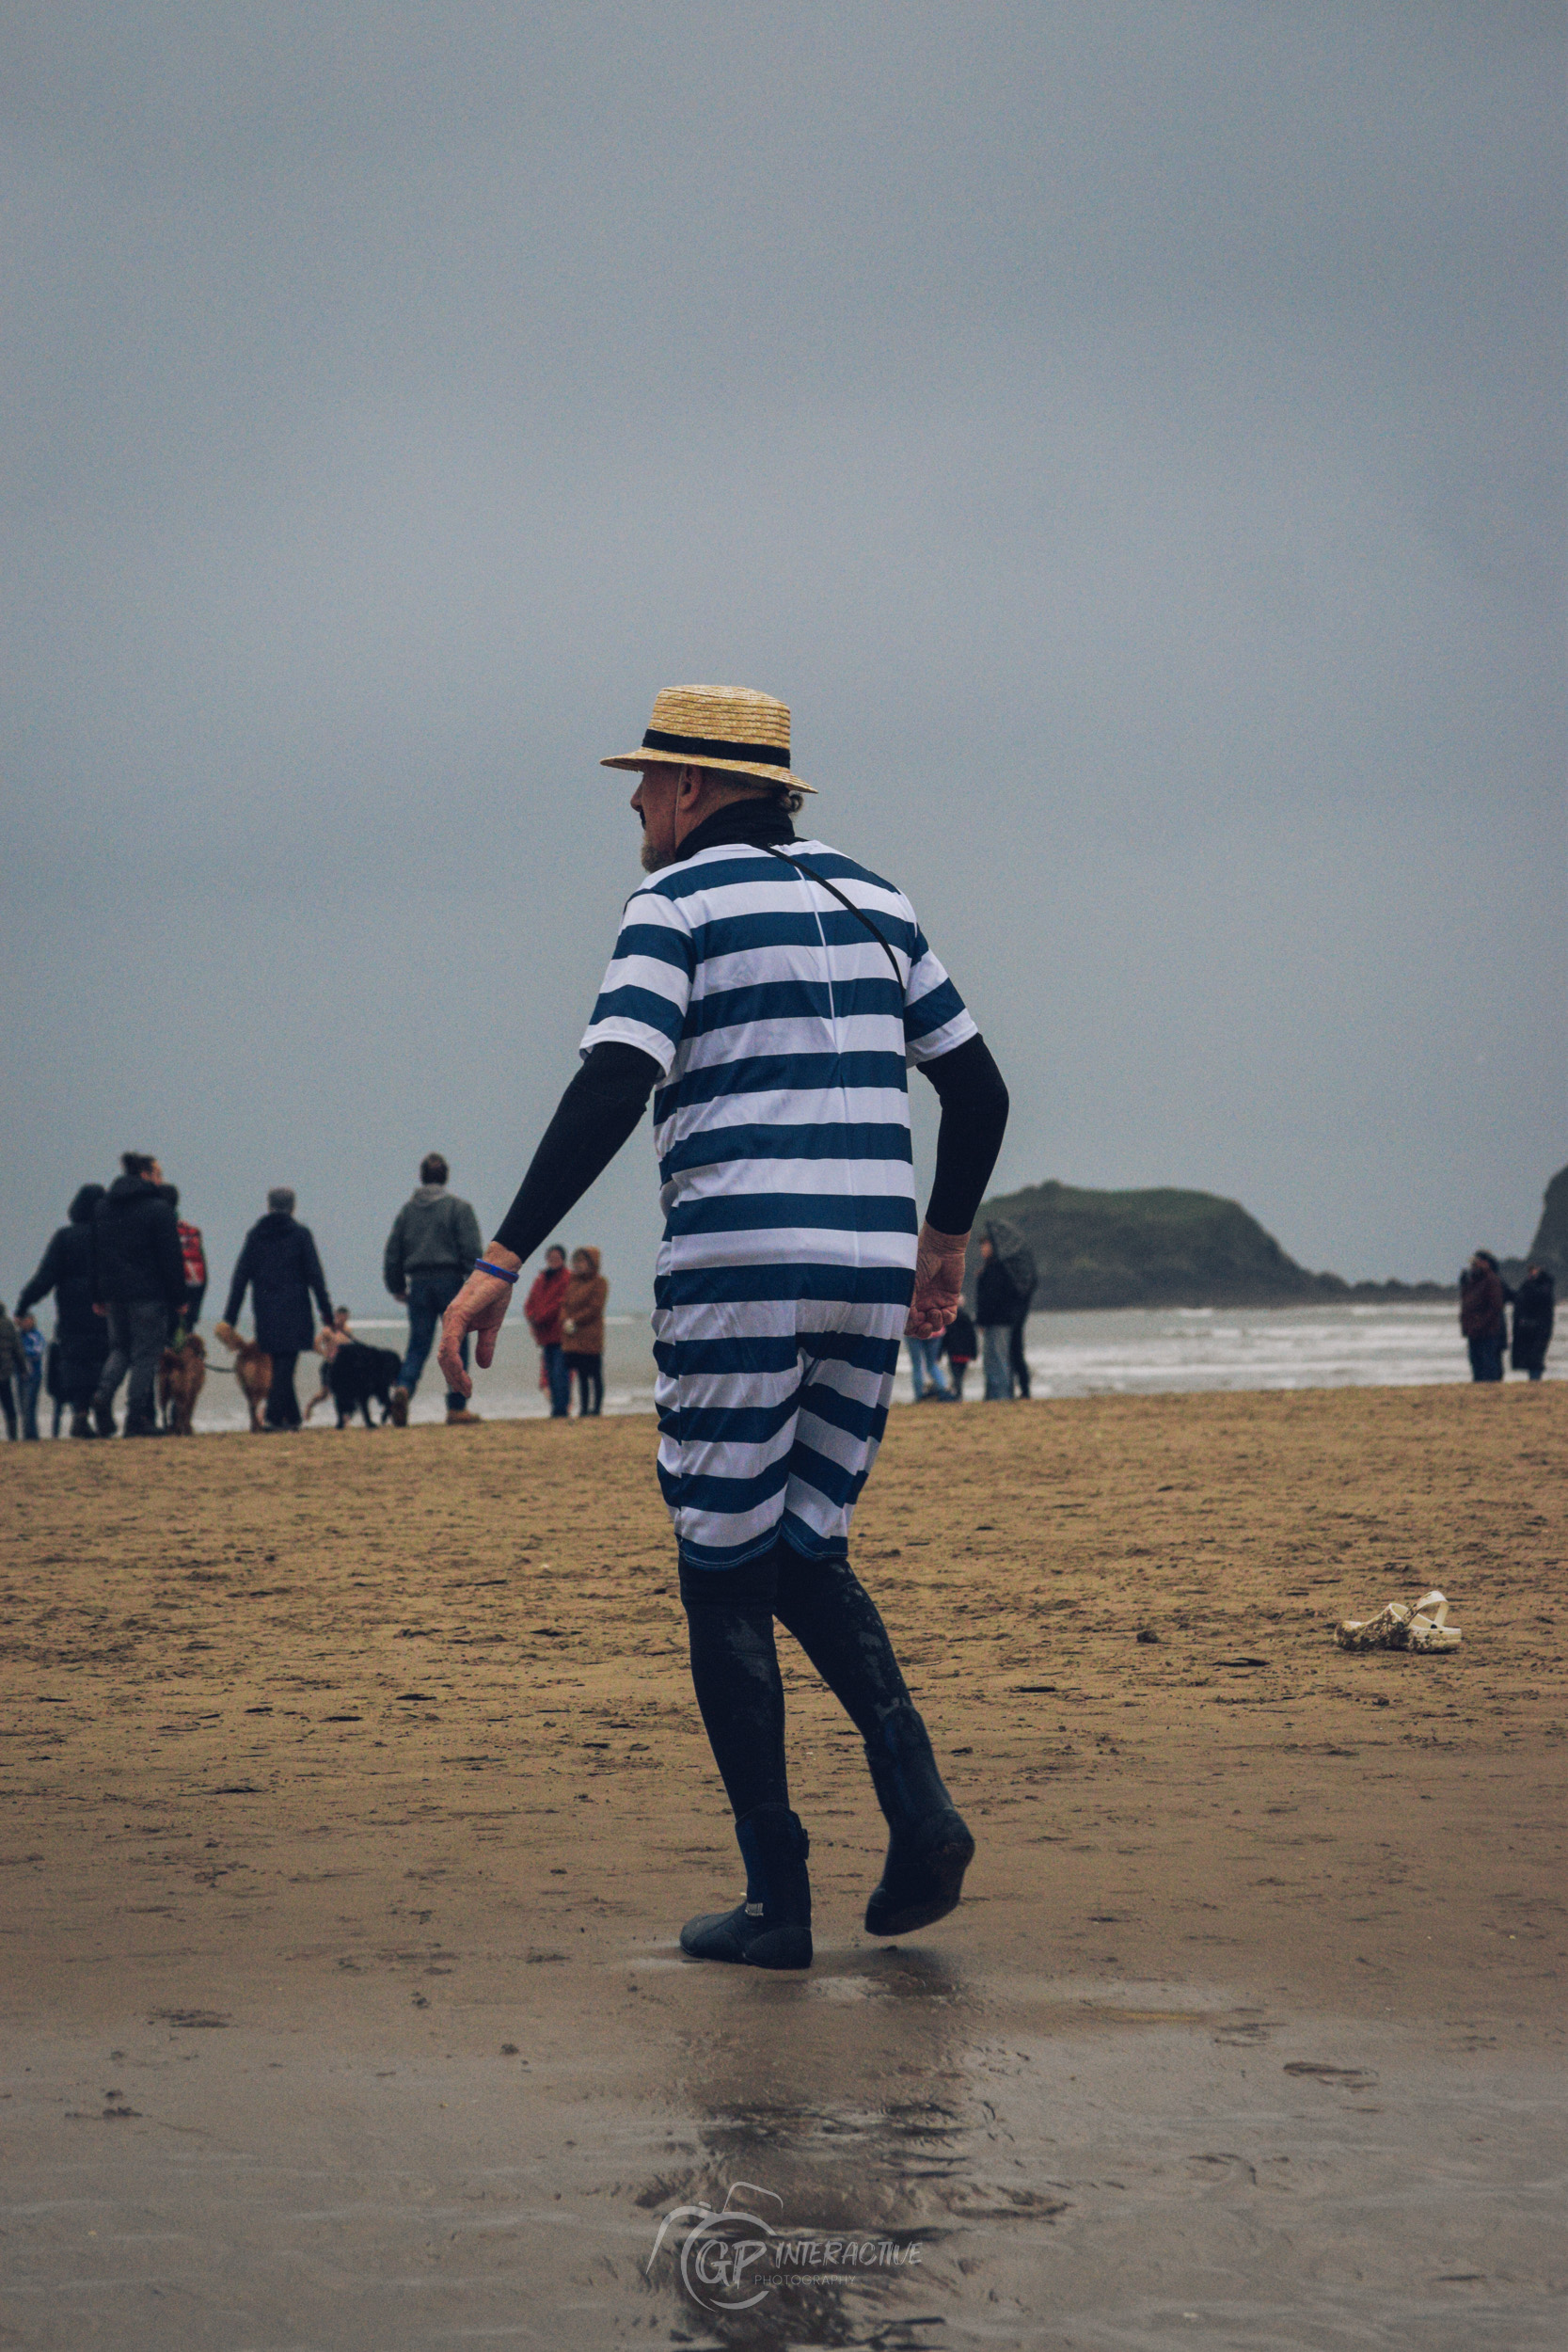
(1164, 1247)
(1550, 1246)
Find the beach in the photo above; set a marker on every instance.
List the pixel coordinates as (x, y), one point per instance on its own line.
(355, 1793)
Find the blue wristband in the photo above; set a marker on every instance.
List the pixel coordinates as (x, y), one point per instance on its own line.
(483, 1266)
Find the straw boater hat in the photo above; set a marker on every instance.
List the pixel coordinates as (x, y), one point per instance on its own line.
(730, 727)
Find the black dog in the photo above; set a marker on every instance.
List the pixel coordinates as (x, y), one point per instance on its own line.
(357, 1373)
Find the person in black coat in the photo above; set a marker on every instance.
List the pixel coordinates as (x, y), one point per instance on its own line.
(140, 1281)
(961, 1345)
(1534, 1309)
(279, 1266)
(996, 1311)
(81, 1334)
(1018, 1362)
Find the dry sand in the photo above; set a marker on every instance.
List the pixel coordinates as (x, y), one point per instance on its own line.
(355, 1793)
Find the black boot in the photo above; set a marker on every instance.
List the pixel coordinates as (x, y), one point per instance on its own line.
(80, 1425)
(103, 1416)
(930, 1848)
(771, 1929)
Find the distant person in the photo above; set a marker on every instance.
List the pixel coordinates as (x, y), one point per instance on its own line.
(997, 1304)
(434, 1243)
(182, 1366)
(1533, 1311)
(10, 1369)
(353, 1374)
(925, 1371)
(140, 1281)
(31, 1380)
(1018, 1360)
(194, 1257)
(1481, 1320)
(583, 1309)
(278, 1264)
(329, 1342)
(542, 1308)
(961, 1345)
(81, 1334)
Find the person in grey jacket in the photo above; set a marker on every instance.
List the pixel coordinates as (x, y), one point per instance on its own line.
(430, 1253)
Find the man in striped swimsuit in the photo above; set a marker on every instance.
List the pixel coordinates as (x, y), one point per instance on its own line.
(771, 995)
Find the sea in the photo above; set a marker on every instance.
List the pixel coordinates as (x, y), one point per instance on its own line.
(1130, 1351)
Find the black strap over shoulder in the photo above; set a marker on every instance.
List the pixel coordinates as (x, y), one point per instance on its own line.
(831, 888)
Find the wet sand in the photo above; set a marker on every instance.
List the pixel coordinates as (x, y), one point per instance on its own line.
(355, 1793)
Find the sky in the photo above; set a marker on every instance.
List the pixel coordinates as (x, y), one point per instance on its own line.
(1129, 437)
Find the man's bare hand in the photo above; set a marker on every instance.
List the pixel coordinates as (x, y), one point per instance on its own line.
(939, 1282)
(479, 1307)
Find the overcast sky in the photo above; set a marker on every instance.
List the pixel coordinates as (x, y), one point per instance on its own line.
(1130, 438)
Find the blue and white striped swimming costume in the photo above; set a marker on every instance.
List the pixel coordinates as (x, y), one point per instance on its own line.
(787, 1179)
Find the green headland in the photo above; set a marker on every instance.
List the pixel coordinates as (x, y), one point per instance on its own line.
(1165, 1248)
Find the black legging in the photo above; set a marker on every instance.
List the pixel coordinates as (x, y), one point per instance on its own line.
(79, 1369)
(735, 1666)
(589, 1373)
(282, 1403)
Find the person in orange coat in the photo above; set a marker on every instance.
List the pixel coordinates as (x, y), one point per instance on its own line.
(582, 1329)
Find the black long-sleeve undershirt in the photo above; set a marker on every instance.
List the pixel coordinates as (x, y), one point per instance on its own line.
(973, 1100)
(605, 1102)
(598, 1111)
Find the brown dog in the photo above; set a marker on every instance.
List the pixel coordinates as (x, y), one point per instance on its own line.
(251, 1368)
(181, 1374)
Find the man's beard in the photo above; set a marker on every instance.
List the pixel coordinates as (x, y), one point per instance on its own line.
(653, 862)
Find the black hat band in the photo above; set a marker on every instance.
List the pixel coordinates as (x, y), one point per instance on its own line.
(701, 747)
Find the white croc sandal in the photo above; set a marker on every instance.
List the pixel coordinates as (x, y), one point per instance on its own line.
(1430, 1627)
(1388, 1630)
(1425, 1626)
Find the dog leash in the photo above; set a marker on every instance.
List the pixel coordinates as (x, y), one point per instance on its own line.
(859, 913)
